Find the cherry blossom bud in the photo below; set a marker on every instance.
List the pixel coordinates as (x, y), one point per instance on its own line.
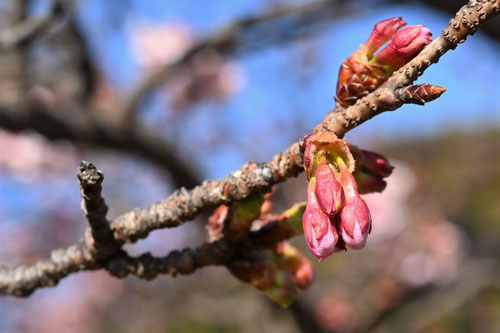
(376, 164)
(368, 183)
(382, 33)
(405, 44)
(301, 268)
(216, 223)
(355, 223)
(328, 190)
(348, 183)
(293, 216)
(283, 291)
(242, 214)
(321, 235)
(252, 269)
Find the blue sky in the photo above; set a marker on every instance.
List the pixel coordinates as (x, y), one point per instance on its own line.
(278, 98)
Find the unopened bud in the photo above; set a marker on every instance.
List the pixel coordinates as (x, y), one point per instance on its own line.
(283, 290)
(376, 164)
(348, 183)
(382, 33)
(328, 190)
(419, 93)
(368, 183)
(294, 214)
(216, 223)
(405, 45)
(355, 223)
(301, 268)
(321, 236)
(259, 272)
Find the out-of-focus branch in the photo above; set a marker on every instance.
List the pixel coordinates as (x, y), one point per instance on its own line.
(85, 63)
(30, 29)
(84, 127)
(229, 38)
(253, 177)
(435, 302)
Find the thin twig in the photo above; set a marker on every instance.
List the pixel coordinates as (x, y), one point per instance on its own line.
(99, 235)
(23, 280)
(228, 38)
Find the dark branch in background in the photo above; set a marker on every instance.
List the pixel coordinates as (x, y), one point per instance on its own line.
(30, 29)
(305, 319)
(433, 302)
(82, 50)
(253, 177)
(84, 127)
(255, 32)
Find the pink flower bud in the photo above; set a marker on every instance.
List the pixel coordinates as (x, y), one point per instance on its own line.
(328, 190)
(382, 33)
(368, 183)
(303, 275)
(321, 235)
(376, 164)
(348, 183)
(257, 271)
(284, 291)
(355, 223)
(301, 268)
(405, 44)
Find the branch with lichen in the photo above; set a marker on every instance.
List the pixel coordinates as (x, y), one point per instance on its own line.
(184, 205)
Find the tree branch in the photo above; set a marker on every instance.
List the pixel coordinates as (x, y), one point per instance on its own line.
(85, 127)
(99, 235)
(23, 280)
(29, 29)
(434, 302)
(253, 177)
(227, 39)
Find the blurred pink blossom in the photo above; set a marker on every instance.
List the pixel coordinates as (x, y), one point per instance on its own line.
(434, 254)
(207, 76)
(69, 307)
(334, 310)
(154, 45)
(389, 209)
(28, 156)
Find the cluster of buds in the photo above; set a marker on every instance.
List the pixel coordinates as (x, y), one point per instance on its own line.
(278, 272)
(371, 169)
(364, 71)
(336, 215)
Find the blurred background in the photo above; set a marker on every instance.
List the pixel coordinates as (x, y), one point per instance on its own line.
(162, 94)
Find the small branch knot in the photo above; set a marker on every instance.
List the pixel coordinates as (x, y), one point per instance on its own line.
(89, 175)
